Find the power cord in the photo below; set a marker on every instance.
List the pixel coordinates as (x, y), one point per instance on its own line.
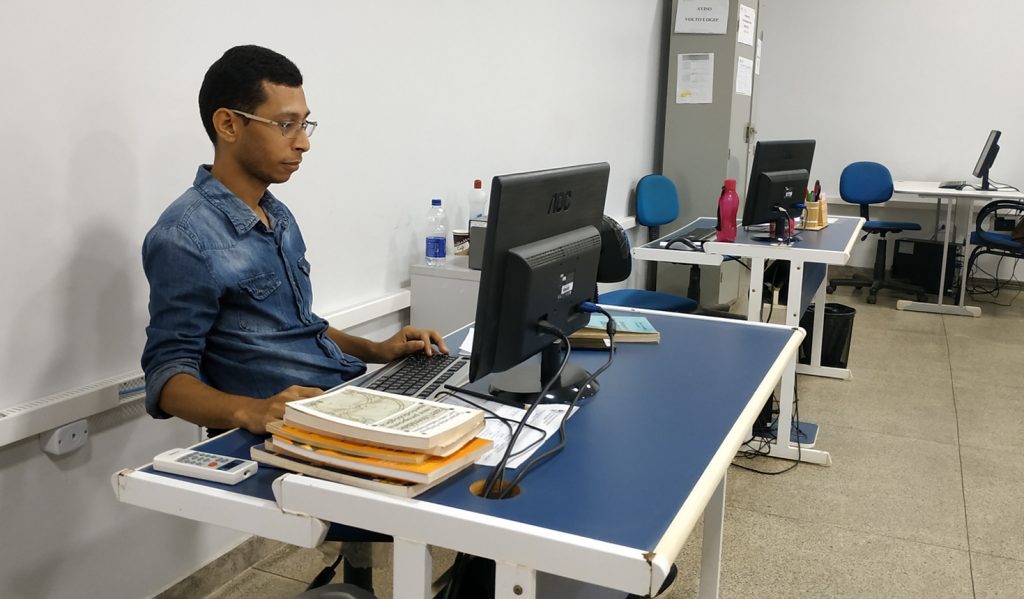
(327, 574)
(765, 442)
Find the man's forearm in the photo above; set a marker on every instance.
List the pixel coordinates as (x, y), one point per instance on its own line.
(190, 399)
(364, 349)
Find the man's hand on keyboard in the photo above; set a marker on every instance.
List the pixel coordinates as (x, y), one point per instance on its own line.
(410, 340)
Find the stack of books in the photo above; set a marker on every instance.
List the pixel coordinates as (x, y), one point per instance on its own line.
(375, 440)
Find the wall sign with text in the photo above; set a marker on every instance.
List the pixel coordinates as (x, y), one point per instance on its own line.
(702, 16)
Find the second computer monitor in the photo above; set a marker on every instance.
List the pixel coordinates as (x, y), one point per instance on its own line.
(987, 158)
(778, 179)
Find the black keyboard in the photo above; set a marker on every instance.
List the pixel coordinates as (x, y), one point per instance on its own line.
(418, 375)
(698, 235)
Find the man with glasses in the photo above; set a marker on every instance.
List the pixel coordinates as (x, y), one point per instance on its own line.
(232, 336)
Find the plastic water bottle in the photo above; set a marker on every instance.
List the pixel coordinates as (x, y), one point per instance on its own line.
(477, 201)
(437, 234)
(728, 206)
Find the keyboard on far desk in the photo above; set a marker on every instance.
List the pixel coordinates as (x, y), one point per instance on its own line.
(699, 235)
(419, 375)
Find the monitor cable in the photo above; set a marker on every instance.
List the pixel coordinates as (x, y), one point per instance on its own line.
(497, 476)
(457, 393)
(534, 461)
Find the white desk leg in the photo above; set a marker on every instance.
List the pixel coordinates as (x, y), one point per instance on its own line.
(972, 310)
(939, 307)
(755, 301)
(782, 448)
(711, 558)
(815, 368)
(412, 569)
(512, 581)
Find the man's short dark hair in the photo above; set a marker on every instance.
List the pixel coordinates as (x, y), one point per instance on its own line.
(235, 81)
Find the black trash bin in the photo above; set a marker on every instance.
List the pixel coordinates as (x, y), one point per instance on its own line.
(835, 340)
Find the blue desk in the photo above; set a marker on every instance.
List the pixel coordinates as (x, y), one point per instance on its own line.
(645, 458)
(809, 259)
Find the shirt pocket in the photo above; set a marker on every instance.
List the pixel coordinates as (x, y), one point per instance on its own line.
(263, 314)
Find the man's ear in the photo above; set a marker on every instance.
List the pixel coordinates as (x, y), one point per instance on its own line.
(225, 125)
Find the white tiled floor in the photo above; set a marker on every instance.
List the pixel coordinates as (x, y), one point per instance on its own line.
(925, 497)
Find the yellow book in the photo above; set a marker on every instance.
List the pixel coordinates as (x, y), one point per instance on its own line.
(300, 435)
(400, 488)
(432, 469)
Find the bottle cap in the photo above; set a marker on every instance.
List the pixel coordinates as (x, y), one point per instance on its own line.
(478, 184)
(435, 202)
(730, 184)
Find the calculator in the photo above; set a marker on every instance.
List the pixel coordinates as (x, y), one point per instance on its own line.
(206, 466)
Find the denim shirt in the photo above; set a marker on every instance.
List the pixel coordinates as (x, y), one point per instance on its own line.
(230, 299)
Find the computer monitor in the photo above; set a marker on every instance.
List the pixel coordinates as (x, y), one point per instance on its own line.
(540, 262)
(778, 179)
(987, 158)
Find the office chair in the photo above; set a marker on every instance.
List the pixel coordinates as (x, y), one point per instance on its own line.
(656, 204)
(866, 183)
(997, 243)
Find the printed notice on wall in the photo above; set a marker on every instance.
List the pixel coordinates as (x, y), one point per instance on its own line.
(695, 77)
(757, 57)
(702, 16)
(744, 76)
(748, 16)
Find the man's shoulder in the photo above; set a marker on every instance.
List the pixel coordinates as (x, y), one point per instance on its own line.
(181, 211)
(190, 215)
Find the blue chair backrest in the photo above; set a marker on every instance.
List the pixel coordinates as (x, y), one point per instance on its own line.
(657, 202)
(865, 183)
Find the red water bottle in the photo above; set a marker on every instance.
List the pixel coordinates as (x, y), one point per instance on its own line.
(728, 206)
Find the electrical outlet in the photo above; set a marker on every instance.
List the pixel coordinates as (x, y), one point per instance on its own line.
(65, 439)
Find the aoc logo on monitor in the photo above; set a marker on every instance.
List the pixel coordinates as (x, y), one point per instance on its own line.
(788, 192)
(560, 202)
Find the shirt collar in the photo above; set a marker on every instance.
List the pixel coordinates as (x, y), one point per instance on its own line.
(241, 216)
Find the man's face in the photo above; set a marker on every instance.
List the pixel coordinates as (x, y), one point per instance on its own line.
(262, 150)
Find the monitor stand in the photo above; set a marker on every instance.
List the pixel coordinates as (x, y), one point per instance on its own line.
(780, 225)
(521, 384)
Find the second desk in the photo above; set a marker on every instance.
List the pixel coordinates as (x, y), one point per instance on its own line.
(809, 259)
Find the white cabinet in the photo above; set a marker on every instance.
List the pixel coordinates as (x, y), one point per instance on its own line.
(444, 297)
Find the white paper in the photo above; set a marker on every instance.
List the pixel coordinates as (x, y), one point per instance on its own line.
(744, 76)
(467, 344)
(702, 16)
(695, 76)
(547, 417)
(757, 57)
(748, 16)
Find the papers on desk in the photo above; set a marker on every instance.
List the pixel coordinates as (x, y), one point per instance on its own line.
(546, 417)
(467, 344)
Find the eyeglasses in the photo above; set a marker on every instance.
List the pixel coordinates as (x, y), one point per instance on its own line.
(289, 129)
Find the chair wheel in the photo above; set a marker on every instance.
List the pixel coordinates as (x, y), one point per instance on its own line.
(830, 288)
(872, 299)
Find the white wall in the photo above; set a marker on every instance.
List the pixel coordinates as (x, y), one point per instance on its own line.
(415, 100)
(914, 84)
